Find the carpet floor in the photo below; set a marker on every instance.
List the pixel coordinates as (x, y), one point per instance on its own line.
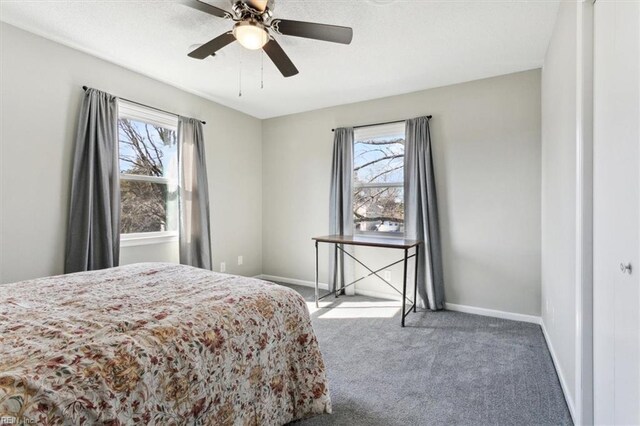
(443, 368)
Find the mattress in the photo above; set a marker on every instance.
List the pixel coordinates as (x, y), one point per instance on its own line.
(157, 344)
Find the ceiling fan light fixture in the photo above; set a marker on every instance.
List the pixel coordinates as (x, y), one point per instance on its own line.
(251, 34)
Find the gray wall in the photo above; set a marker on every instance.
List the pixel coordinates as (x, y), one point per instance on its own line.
(41, 86)
(486, 138)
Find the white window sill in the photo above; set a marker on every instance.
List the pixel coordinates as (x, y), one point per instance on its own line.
(390, 235)
(146, 238)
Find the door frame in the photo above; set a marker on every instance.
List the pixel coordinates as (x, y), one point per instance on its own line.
(584, 214)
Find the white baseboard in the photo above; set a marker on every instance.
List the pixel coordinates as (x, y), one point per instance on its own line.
(449, 306)
(379, 294)
(563, 382)
(295, 281)
(325, 286)
(492, 313)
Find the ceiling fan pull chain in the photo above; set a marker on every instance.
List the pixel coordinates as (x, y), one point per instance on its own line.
(240, 80)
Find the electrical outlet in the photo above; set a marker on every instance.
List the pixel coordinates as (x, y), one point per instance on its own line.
(387, 275)
(240, 260)
(223, 267)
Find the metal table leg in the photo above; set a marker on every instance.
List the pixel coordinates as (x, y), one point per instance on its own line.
(415, 278)
(336, 269)
(316, 293)
(404, 285)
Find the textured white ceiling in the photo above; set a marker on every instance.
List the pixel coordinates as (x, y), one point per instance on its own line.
(399, 46)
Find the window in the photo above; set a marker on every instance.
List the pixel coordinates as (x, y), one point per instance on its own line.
(378, 174)
(148, 158)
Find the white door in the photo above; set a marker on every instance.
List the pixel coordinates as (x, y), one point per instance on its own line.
(616, 232)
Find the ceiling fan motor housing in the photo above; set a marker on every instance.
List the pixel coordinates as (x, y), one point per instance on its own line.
(247, 10)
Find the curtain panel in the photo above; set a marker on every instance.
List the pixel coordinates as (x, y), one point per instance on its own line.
(93, 232)
(421, 212)
(340, 201)
(194, 226)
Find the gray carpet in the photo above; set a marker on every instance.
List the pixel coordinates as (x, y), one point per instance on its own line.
(443, 368)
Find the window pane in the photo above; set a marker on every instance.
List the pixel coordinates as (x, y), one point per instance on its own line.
(379, 209)
(145, 205)
(146, 149)
(379, 159)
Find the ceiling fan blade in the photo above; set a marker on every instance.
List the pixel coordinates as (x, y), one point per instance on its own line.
(333, 33)
(280, 59)
(206, 8)
(212, 46)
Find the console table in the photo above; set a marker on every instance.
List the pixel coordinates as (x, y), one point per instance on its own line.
(339, 241)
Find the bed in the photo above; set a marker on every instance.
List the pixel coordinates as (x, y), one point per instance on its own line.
(157, 344)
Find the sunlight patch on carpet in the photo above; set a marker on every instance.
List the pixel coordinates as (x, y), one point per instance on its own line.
(336, 310)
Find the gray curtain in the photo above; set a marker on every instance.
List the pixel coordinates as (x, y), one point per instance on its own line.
(421, 211)
(195, 235)
(93, 233)
(341, 200)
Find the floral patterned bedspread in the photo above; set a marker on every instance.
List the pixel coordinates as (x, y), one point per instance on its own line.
(157, 344)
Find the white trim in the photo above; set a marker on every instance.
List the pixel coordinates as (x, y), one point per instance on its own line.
(323, 286)
(580, 224)
(133, 111)
(362, 133)
(556, 363)
(493, 313)
(583, 398)
(146, 238)
(378, 185)
(144, 178)
(377, 234)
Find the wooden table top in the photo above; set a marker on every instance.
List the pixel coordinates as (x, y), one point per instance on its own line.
(369, 241)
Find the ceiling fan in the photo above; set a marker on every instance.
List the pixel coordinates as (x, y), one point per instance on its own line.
(254, 28)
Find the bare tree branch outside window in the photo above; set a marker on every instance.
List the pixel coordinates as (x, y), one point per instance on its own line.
(145, 150)
(378, 195)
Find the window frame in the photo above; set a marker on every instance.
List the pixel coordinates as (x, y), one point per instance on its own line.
(369, 130)
(140, 113)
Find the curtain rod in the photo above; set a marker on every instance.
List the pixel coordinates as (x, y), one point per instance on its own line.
(379, 124)
(146, 106)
